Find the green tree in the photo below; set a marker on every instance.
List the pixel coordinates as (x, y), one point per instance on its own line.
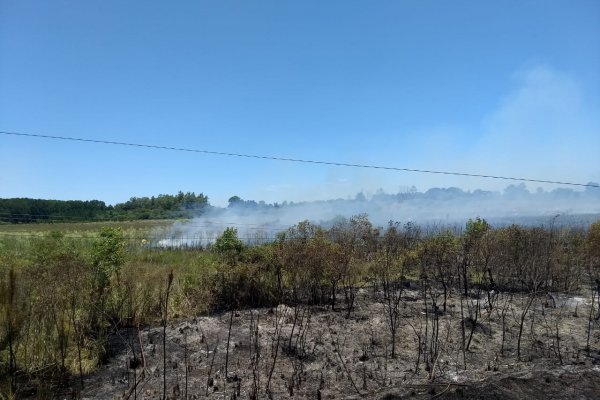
(229, 245)
(472, 239)
(228, 241)
(108, 255)
(234, 200)
(475, 230)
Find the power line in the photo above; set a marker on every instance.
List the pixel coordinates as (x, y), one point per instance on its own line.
(296, 160)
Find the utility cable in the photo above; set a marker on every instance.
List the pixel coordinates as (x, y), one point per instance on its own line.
(296, 160)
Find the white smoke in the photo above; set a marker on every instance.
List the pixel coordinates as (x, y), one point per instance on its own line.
(259, 222)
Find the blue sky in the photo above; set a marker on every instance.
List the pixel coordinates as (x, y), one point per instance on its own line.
(505, 88)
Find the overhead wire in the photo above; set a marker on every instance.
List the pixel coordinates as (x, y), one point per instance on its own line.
(296, 160)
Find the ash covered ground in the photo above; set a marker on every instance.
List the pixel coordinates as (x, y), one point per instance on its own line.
(315, 352)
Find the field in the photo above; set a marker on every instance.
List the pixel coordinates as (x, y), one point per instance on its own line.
(136, 228)
(312, 352)
(93, 311)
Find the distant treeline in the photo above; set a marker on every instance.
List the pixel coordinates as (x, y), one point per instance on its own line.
(25, 210)
(435, 204)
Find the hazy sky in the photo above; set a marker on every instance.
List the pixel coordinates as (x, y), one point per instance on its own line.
(503, 87)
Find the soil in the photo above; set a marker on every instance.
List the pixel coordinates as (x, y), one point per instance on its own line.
(330, 356)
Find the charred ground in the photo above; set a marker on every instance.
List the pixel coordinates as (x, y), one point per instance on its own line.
(314, 352)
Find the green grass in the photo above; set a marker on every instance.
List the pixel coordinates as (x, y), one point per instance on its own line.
(41, 256)
(70, 228)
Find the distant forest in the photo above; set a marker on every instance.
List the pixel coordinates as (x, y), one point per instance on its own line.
(24, 210)
(433, 204)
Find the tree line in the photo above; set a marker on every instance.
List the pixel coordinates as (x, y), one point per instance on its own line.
(580, 206)
(25, 210)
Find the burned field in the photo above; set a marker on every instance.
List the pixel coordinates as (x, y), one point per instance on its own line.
(313, 352)
(352, 311)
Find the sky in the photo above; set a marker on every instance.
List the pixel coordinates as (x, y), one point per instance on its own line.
(506, 88)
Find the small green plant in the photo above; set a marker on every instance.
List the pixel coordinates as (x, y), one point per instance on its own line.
(229, 246)
(108, 255)
(229, 241)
